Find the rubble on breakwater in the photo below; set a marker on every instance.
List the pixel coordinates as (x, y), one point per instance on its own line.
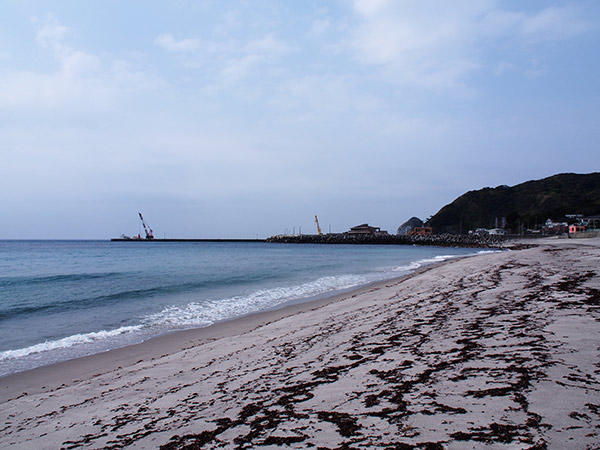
(440, 240)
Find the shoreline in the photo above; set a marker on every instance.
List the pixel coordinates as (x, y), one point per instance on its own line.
(213, 329)
(499, 349)
(83, 367)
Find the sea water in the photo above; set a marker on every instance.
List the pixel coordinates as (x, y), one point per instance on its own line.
(64, 299)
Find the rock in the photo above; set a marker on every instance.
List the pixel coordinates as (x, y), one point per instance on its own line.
(440, 240)
(409, 225)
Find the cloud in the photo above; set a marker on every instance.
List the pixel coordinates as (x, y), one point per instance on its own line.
(415, 45)
(319, 26)
(267, 45)
(80, 80)
(51, 35)
(167, 42)
(548, 24)
(503, 67)
(249, 57)
(238, 68)
(554, 23)
(439, 45)
(34, 91)
(230, 60)
(51, 32)
(536, 68)
(127, 78)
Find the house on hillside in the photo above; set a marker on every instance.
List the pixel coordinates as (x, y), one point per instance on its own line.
(551, 227)
(366, 230)
(591, 222)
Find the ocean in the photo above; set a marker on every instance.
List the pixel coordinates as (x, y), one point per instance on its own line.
(64, 299)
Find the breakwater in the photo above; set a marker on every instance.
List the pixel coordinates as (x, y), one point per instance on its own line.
(440, 240)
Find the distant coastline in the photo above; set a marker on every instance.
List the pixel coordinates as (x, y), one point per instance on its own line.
(184, 240)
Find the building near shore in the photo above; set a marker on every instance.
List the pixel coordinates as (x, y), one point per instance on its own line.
(366, 230)
(421, 231)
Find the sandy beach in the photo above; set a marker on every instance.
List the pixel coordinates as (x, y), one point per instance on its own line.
(495, 351)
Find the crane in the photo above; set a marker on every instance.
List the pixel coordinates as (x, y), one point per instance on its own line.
(147, 229)
(318, 227)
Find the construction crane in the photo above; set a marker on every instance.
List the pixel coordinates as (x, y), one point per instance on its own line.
(318, 227)
(147, 229)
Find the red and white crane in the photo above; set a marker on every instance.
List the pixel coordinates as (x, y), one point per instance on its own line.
(147, 229)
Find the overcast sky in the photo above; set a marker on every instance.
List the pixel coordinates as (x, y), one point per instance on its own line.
(247, 118)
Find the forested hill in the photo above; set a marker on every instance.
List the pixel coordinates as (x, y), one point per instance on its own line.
(522, 205)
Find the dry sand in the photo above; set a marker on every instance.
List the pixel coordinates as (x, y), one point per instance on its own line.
(497, 351)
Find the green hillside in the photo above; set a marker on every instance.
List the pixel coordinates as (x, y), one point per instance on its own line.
(523, 205)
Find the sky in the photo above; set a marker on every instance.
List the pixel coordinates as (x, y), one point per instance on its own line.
(244, 119)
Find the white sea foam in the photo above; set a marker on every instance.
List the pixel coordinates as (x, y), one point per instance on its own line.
(425, 262)
(199, 314)
(483, 252)
(67, 342)
(407, 268)
(195, 314)
(210, 311)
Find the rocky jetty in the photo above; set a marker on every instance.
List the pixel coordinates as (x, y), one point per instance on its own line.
(440, 240)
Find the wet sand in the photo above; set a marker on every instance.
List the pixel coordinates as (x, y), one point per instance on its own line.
(496, 351)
